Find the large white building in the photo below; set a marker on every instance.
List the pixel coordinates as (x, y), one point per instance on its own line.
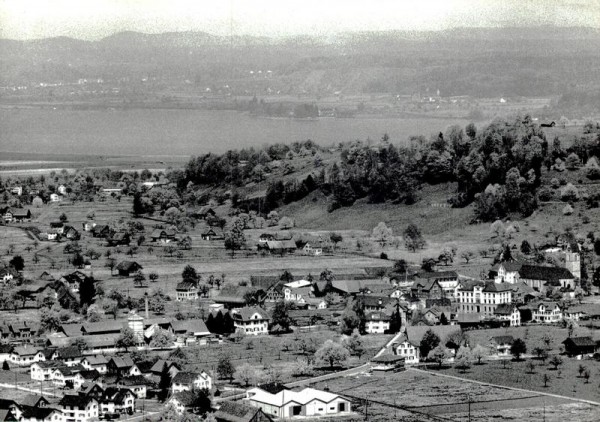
(301, 404)
(483, 297)
(251, 320)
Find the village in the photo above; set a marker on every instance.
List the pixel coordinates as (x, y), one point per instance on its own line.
(108, 314)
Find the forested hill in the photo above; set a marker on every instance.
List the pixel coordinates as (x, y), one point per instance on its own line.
(497, 167)
(538, 61)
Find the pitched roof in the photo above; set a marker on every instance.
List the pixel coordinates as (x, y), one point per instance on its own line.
(159, 364)
(32, 400)
(185, 285)
(186, 398)
(504, 309)
(581, 341)
(286, 396)
(122, 361)
(247, 312)
(96, 360)
(72, 400)
(36, 413)
(503, 339)
(69, 352)
(103, 327)
(25, 350)
(230, 411)
(377, 316)
(187, 377)
(134, 380)
(491, 286)
(128, 266)
(549, 274)
(190, 326)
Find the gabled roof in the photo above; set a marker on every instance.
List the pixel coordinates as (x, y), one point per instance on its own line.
(230, 411)
(377, 316)
(96, 360)
(103, 327)
(247, 312)
(122, 362)
(503, 339)
(504, 309)
(134, 380)
(581, 341)
(186, 398)
(549, 274)
(425, 285)
(190, 326)
(159, 364)
(71, 400)
(33, 400)
(185, 286)
(436, 275)
(69, 352)
(492, 287)
(128, 266)
(25, 350)
(187, 377)
(36, 413)
(287, 396)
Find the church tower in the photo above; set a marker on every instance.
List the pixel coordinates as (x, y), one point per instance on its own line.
(573, 263)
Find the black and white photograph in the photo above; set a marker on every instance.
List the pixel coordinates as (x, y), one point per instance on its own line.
(315, 211)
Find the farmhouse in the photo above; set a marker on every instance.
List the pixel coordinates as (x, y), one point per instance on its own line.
(387, 363)
(190, 329)
(578, 346)
(163, 235)
(100, 230)
(409, 344)
(306, 403)
(186, 290)
(117, 400)
(39, 414)
(125, 268)
(122, 366)
(190, 381)
(427, 289)
(210, 234)
(79, 408)
(508, 312)
(97, 362)
(182, 401)
(251, 320)
(118, 238)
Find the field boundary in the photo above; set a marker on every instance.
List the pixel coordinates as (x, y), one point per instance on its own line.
(594, 403)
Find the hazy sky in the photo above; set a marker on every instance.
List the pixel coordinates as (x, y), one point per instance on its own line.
(93, 19)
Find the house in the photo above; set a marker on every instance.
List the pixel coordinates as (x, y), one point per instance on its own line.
(277, 247)
(579, 346)
(433, 315)
(8, 273)
(26, 355)
(100, 230)
(508, 312)
(10, 410)
(57, 226)
(23, 329)
(43, 371)
(54, 197)
(122, 366)
(387, 363)
(117, 401)
(71, 233)
(189, 381)
(230, 411)
(377, 322)
(483, 297)
(251, 320)
(573, 313)
(265, 237)
(97, 362)
(205, 212)
(40, 414)
(70, 355)
(163, 235)
(85, 377)
(308, 402)
(34, 400)
(502, 344)
(158, 366)
(538, 277)
(313, 303)
(5, 351)
(298, 294)
(66, 376)
(62, 189)
(546, 312)
(125, 268)
(190, 328)
(427, 289)
(186, 290)
(20, 215)
(210, 234)
(118, 238)
(448, 280)
(17, 190)
(311, 250)
(182, 401)
(76, 408)
(138, 385)
(408, 345)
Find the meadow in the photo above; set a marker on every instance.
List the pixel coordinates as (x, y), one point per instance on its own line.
(187, 132)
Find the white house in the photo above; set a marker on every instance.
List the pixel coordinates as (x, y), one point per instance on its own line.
(377, 323)
(26, 355)
(508, 312)
(308, 249)
(547, 312)
(77, 408)
(188, 381)
(302, 404)
(62, 189)
(409, 344)
(251, 320)
(97, 362)
(502, 344)
(54, 197)
(43, 371)
(182, 401)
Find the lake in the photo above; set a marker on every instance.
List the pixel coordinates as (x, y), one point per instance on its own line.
(186, 132)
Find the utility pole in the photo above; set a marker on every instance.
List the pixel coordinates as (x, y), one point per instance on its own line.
(469, 396)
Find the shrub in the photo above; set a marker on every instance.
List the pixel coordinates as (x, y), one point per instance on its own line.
(555, 183)
(383, 255)
(569, 193)
(567, 210)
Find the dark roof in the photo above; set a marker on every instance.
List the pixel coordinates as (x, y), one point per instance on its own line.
(69, 352)
(185, 377)
(122, 361)
(377, 316)
(71, 400)
(230, 411)
(436, 275)
(273, 387)
(128, 266)
(246, 313)
(189, 326)
(33, 400)
(491, 286)
(185, 285)
(425, 285)
(157, 367)
(503, 339)
(504, 309)
(37, 413)
(387, 359)
(187, 398)
(539, 272)
(134, 380)
(581, 341)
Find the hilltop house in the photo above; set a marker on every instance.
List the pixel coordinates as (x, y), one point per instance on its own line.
(251, 320)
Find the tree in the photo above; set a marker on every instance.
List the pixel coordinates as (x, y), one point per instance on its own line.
(202, 403)
(63, 217)
(456, 339)
(87, 291)
(467, 256)
(439, 354)
(153, 276)
(413, 239)
(162, 338)
(335, 238)
(17, 262)
(111, 306)
(531, 367)
(78, 261)
(429, 342)
(50, 320)
(525, 247)
(126, 339)
(382, 234)
(280, 315)
(332, 353)
(5, 366)
(225, 369)
(463, 358)
(581, 370)
(572, 162)
(587, 376)
(497, 228)
(139, 278)
(555, 361)
(354, 344)
(234, 240)
(479, 352)
(286, 223)
(244, 374)
(189, 273)
(518, 348)
(164, 384)
(541, 353)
